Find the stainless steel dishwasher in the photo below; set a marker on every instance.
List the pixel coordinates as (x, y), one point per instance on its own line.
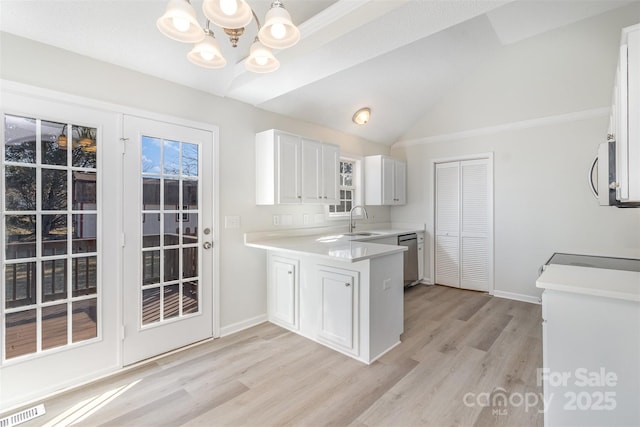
(410, 258)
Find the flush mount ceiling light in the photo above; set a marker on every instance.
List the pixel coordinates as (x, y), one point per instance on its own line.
(361, 116)
(179, 22)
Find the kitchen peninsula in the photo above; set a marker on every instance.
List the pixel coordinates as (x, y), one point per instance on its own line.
(334, 289)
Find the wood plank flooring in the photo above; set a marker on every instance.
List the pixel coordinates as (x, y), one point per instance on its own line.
(461, 351)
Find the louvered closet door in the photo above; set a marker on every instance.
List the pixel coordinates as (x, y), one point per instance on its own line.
(447, 253)
(463, 224)
(474, 225)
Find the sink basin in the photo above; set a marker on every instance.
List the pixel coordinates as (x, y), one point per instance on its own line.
(363, 233)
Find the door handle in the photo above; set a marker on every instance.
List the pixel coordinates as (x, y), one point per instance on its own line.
(207, 245)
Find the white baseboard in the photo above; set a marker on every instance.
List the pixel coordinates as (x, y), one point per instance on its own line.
(516, 297)
(245, 324)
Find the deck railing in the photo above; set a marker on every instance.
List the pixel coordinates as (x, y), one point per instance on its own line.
(20, 278)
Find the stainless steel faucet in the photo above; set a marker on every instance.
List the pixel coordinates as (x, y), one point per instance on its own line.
(351, 224)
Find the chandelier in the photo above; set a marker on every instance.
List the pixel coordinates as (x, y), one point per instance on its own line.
(179, 22)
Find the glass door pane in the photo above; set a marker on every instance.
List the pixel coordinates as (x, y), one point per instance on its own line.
(49, 220)
(170, 256)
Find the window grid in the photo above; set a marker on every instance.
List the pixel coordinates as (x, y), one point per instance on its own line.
(37, 312)
(153, 295)
(347, 189)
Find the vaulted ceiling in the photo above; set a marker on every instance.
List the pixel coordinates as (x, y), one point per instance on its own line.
(397, 57)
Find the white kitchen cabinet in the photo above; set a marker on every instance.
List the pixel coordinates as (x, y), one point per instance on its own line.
(288, 182)
(339, 297)
(292, 170)
(319, 172)
(330, 173)
(311, 171)
(385, 180)
(591, 349)
(355, 308)
(283, 292)
(625, 106)
(421, 256)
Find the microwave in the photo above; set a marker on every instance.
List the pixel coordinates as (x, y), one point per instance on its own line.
(603, 178)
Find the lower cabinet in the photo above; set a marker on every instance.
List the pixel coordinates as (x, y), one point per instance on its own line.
(591, 349)
(357, 310)
(339, 308)
(284, 291)
(421, 256)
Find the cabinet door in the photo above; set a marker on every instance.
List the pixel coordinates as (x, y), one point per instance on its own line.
(447, 235)
(283, 292)
(474, 225)
(339, 308)
(311, 171)
(421, 256)
(330, 164)
(288, 169)
(388, 177)
(400, 183)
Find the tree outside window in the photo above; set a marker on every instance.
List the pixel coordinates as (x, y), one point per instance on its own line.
(347, 193)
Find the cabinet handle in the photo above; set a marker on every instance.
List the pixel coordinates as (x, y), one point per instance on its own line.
(290, 272)
(299, 197)
(347, 284)
(325, 197)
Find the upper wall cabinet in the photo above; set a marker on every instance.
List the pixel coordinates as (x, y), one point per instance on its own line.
(624, 126)
(291, 169)
(385, 180)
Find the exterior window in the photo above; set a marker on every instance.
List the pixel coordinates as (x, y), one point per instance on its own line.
(349, 192)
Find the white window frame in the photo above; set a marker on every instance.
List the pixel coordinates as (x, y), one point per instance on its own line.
(357, 187)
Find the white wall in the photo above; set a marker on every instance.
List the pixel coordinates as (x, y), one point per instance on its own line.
(542, 201)
(242, 270)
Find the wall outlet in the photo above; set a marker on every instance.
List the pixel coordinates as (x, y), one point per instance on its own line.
(276, 220)
(386, 284)
(232, 221)
(305, 219)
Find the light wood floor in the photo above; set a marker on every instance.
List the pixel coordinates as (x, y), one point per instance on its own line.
(459, 349)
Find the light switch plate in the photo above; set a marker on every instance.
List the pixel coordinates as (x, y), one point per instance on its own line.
(232, 221)
(386, 284)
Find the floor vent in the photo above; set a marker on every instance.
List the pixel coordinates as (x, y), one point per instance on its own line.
(22, 416)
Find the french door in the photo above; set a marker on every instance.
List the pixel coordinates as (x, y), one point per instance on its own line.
(168, 237)
(59, 297)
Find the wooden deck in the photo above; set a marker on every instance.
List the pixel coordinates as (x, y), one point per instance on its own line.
(21, 326)
(457, 347)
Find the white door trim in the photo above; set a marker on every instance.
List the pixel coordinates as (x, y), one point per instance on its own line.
(432, 165)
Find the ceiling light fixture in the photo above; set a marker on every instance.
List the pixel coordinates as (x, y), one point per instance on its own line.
(361, 116)
(179, 22)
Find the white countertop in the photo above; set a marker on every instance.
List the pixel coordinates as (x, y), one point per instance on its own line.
(601, 282)
(336, 245)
